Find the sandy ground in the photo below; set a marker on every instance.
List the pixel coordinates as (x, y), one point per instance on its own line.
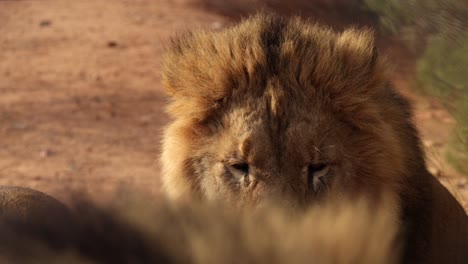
(81, 104)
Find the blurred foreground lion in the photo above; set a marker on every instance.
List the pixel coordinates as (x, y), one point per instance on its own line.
(145, 231)
(282, 109)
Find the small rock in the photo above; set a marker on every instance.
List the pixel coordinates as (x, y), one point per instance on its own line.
(20, 125)
(45, 23)
(37, 178)
(144, 120)
(96, 99)
(45, 153)
(462, 184)
(435, 171)
(112, 44)
(82, 74)
(448, 120)
(428, 143)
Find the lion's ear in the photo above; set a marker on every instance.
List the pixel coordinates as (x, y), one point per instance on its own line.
(193, 76)
(358, 51)
(193, 67)
(349, 65)
(365, 75)
(360, 62)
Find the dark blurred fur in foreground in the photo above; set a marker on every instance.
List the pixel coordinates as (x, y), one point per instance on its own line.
(159, 232)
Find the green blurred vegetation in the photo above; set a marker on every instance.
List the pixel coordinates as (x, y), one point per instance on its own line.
(457, 154)
(437, 31)
(443, 67)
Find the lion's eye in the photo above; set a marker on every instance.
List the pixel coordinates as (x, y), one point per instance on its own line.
(239, 170)
(242, 167)
(316, 176)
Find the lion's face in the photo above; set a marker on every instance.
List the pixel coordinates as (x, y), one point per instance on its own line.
(279, 109)
(295, 150)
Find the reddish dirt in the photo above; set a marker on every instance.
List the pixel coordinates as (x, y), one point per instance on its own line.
(81, 103)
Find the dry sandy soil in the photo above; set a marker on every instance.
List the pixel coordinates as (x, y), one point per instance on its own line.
(81, 104)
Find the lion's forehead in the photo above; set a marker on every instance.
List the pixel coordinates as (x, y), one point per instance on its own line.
(262, 138)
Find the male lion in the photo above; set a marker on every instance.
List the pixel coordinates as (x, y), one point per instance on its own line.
(282, 109)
